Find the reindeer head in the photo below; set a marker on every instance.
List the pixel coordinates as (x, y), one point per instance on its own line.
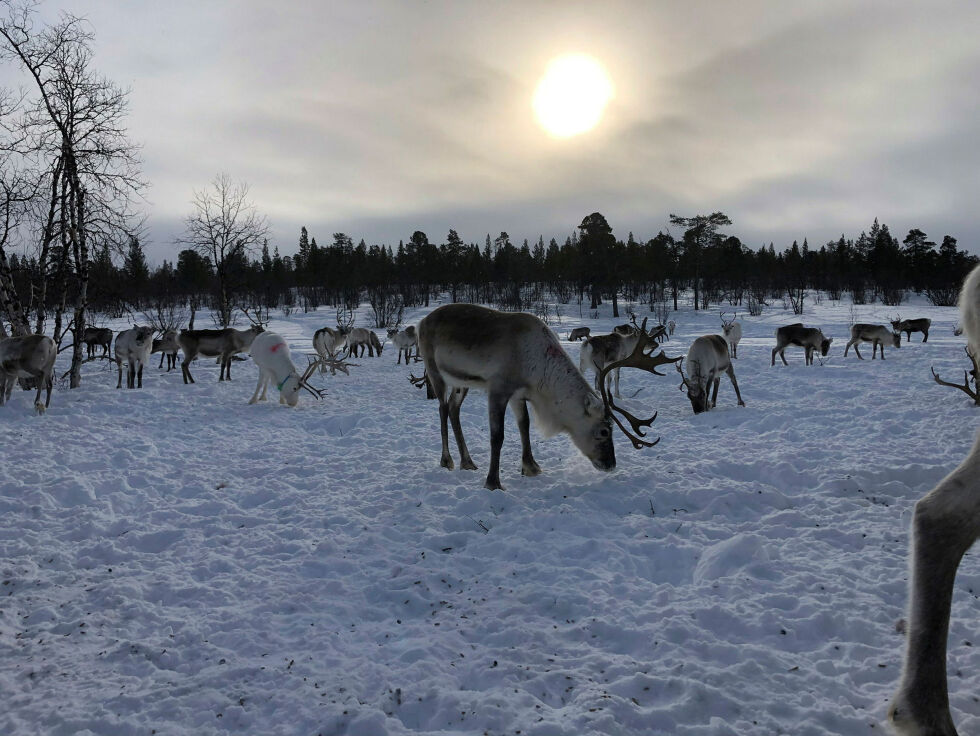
(593, 437)
(392, 331)
(727, 325)
(897, 323)
(896, 340)
(697, 387)
(143, 334)
(825, 345)
(289, 388)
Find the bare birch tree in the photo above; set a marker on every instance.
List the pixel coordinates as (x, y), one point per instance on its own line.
(224, 227)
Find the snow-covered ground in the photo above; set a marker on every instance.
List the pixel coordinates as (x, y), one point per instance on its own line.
(173, 561)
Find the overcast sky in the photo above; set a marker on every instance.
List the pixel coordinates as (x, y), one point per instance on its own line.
(802, 119)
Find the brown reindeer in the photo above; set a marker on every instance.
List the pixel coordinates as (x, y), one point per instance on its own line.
(28, 356)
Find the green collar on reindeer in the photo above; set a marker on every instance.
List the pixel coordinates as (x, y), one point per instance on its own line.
(280, 385)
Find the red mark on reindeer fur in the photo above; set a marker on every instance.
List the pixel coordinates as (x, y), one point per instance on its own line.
(275, 347)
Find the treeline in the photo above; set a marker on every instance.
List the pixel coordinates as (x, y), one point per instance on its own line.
(590, 266)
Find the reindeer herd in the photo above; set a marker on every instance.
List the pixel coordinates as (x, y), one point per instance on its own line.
(519, 362)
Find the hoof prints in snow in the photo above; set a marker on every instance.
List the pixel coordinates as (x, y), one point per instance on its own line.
(173, 559)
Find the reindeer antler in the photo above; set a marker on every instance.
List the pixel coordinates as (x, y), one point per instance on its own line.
(973, 393)
(418, 381)
(643, 360)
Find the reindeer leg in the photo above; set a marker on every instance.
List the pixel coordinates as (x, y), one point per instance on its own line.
(946, 522)
(162, 356)
(731, 375)
(455, 402)
(616, 371)
(497, 405)
(439, 387)
(139, 373)
(119, 382)
(856, 351)
(714, 394)
(258, 385)
(528, 465)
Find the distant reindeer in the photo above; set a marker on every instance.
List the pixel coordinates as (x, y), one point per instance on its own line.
(167, 346)
(94, 337)
(328, 341)
(810, 339)
(908, 326)
(271, 355)
(579, 333)
(602, 350)
(133, 347)
(27, 356)
(364, 339)
(707, 359)
(671, 326)
(222, 344)
(945, 524)
(733, 333)
(518, 360)
(876, 334)
(404, 340)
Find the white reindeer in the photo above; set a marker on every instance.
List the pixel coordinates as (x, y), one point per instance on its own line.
(271, 355)
(404, 340)
(733, 333)
(944, 526)
(707, 359)
(518, 360)
(133, 347)
(27, 356)
(671, 326)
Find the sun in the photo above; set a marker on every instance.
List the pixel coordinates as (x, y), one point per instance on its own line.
(572, 95)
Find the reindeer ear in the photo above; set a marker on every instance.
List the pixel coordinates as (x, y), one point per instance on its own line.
(594, 406)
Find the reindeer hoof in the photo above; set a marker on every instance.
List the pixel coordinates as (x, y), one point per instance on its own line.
(447, 462)
(467, 464)
(530, 469)
(741, 403)
(493, 485)
(39, 408)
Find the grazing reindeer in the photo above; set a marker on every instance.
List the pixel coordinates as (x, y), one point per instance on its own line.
(97, 337)
(28, 356)
(707, 359)
(908, 326)
(671, 326)
(133, 347)
(365, 339)
(579, 333)
(876, 334)
(271, 355)
(215, 343)
(810, 339)
(518, 360)
(404, 341)
(733, 333)
(944, 526)
(167, 346)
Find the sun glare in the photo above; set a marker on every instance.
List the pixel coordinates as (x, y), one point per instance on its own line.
(572, 95)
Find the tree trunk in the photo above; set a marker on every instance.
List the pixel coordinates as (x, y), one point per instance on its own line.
(80, 247)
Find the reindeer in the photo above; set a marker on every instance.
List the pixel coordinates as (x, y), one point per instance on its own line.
(601, 350)
(215, 343)
(271, 355)
(365, 339)
(733, 333)
(133, 347)
(908, 326)
(876, 334)
(518, 360)
(945, 524)
(328, 341)
(671, 326)
(810, 339)
(28, 356)
(579, 333)
(707, 359)
(167, 346)
(404, 341)
(97, 337)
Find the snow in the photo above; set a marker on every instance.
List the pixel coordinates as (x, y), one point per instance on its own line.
(175, 561)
